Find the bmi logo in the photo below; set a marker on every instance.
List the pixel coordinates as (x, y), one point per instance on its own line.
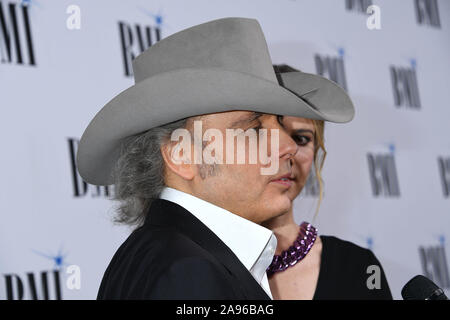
(135, 38)
(444, 172)
(383, 174)
(427, 13)
(434, 263)
(358, 5)
(332, 67)
(16, 42)
(404, 86)
(81, 187)
(43, 285)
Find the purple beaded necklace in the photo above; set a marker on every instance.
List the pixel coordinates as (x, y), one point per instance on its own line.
(296, 252)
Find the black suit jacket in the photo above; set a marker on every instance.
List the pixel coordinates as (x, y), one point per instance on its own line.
(175, 256)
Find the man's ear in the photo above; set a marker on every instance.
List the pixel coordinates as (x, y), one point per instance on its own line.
(178, 160)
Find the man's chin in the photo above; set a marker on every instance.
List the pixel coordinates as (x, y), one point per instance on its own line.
(280, 206)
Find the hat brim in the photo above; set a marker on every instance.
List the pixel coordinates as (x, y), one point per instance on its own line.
(178, 94)
(322, 94)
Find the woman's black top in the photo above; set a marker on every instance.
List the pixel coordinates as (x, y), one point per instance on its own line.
(344, 272)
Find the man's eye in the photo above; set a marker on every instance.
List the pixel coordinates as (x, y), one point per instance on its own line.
(302, 140)
(259, 127)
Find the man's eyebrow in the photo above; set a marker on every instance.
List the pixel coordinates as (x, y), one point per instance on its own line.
(253, 116)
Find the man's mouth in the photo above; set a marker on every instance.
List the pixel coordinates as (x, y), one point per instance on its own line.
(285, 180)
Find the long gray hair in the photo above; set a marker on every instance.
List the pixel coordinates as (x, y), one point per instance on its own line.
(139, 173)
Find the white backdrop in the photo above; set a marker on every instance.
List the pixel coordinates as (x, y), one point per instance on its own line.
(55, 79)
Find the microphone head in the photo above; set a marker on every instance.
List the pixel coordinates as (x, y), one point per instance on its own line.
(422, 288)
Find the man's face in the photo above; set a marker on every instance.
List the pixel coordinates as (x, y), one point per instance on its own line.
(241, 188)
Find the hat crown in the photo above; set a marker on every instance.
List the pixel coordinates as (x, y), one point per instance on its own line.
(232, 44)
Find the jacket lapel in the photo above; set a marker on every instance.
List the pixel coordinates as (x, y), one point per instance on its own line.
(167, 213)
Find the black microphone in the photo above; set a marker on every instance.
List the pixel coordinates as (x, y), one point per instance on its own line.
(422, 288)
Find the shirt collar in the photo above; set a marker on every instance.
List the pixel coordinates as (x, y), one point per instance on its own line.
(252, 244)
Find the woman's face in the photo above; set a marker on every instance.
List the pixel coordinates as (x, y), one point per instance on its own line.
(303, 132)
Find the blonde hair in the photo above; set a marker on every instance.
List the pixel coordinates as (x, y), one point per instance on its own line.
(319, 158)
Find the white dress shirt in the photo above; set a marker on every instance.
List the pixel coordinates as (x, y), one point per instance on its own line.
(253, 244)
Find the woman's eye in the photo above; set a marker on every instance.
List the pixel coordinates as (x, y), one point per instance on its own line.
(302, 140)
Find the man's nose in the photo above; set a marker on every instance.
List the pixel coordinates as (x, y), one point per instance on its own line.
(288, 147)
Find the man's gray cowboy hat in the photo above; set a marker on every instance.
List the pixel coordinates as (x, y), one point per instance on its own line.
(218, 66)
